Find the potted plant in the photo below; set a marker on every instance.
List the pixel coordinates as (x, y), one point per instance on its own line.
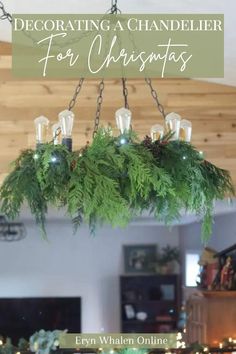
(169, 260)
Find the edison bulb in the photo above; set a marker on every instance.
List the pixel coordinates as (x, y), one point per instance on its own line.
(123, 120)
(185, 130)
(41, 126)
(157, 132)
(66, 119)
(173, 124)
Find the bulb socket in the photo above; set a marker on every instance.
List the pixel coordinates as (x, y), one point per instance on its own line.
(39, 146)
(68, 143)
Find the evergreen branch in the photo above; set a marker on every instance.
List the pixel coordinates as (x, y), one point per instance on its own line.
(109, 183)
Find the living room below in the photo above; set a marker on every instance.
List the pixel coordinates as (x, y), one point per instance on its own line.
(89, 267)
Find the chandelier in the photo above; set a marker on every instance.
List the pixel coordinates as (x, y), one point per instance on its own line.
(115, 178)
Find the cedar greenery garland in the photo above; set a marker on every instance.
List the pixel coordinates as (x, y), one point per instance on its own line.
(109, 183)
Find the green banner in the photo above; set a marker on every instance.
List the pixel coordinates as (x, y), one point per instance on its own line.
(110, 46)
(114, 340)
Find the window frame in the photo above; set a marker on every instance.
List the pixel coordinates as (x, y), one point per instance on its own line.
(196, 252)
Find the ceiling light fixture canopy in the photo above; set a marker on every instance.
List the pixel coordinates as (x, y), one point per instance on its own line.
(115, 177)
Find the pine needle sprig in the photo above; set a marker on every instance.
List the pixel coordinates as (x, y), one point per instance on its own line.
(115, 179)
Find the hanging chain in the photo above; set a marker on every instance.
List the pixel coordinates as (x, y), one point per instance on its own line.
(125, 93)
(114, 8)
(76, 94)
(5, 15)
(99, 107)
(155, 97)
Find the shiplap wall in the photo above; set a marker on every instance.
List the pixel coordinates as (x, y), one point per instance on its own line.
(210, 107)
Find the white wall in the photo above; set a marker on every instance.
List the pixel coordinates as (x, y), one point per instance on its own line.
(75, 265)
(86, 266)
(223, 235)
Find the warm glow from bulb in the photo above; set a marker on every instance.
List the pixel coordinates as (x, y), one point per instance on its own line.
(185, 133)
(157, 132)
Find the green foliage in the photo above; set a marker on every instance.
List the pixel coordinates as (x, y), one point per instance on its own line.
(7, 347)
(169, 254)
(110, 183)
(22, 185)
(44, 342)
(52, 166)
(196, 182)
(23, 345)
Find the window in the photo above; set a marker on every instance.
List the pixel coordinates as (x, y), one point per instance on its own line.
(191, 268)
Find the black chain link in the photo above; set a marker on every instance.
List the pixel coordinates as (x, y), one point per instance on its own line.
(76, 94)
(125, 93)
(114, 8)
(99, 107)
(155, 97)
(5, 15)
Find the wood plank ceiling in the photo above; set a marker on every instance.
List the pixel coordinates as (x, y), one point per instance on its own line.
(210, 107)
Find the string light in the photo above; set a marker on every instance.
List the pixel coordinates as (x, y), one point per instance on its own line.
(181, 344)
(36, 156)
(179, 336)
(123, 141)
(53, 159)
